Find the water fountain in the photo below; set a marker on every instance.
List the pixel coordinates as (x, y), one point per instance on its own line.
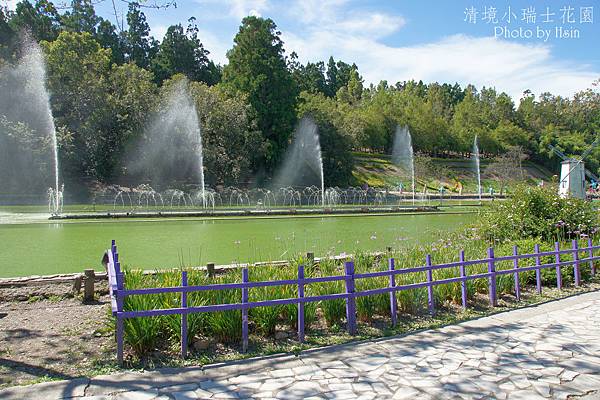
(25, 109)
(303, 163)
(477, 167)
(171, 149)
(403, 155)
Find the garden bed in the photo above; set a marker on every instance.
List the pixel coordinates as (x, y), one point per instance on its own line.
(52, 335)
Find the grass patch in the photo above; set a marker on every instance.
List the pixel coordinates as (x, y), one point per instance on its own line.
(274, 328)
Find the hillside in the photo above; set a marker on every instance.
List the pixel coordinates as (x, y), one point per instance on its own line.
(377, 170)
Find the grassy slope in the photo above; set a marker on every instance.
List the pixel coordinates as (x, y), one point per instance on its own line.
(377, 170)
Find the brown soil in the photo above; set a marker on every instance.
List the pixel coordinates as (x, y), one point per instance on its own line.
(47, 333)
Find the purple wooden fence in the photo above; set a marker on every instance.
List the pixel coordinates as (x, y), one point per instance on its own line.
(118, 292)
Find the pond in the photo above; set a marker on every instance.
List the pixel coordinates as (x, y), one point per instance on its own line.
(33, 246)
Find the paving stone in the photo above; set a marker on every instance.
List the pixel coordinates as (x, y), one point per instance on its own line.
(520, 381)
(568, 375)
(553, 371)
(361, 387)
(188, 395)
(215, 387)
(342, 394)
(553, 380)
(507, 386)
(179, 388)
(282, 373)
(542, 388)
(203, 394)
(276, 384)
(138, 395)
(300, 389)
(381, 389)
(226, 395)
(525, 395)
(585, 383)
(47, 390)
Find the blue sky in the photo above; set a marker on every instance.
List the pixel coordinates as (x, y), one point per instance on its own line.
(429, 40)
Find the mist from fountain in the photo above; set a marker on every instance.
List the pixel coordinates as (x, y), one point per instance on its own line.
(171, 149)
(403, 155)
(25, 109)
(476, 165)
(303, 163)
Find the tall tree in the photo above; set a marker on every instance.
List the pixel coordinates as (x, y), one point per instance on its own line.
(81, 18)
(108, 38)
(257, 67)
(139, 42)
(309, 77)
(41, 20)
(78, 72)
(337, 75)
(6, 35)
(331, 78)
(230, 140)
(182, 53)
(131, 95)
(352, 92)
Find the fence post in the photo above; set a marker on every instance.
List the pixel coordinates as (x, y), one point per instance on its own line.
(463, 282)
(393, 302)
(300, 303)
(88, 285)
(492, 278)
(430, 299)
(516, 266)
(184, 316)
(558, 270)
(245, 311)
(538, 272)
(591, 253)
(576, 262)
(120, 327)
(210, 269)
(350, 300)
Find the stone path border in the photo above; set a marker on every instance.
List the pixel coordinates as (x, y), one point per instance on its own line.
(547, 351)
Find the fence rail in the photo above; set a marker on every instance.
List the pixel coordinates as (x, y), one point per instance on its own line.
(118, 292)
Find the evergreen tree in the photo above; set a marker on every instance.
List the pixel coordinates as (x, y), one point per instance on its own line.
(257, 66)
(311, 78)
(81, 18)
(337, 76)
(41, 20)
(139, 43)
(108, 38)
(182, 52)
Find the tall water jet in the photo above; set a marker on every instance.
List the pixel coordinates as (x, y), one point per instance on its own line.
(169, 154)
(476, 164)
(403, 155)
(303, 162)
(27, 131)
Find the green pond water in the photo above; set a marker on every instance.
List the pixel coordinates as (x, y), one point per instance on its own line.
(30, 245)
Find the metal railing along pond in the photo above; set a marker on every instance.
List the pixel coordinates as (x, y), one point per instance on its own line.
(118, 292)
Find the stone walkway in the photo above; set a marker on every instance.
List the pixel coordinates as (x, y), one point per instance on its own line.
(548, 351)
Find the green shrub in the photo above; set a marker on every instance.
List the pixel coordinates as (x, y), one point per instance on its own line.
(536, 212)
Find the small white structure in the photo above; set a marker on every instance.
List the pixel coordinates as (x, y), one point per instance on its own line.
(572, 179)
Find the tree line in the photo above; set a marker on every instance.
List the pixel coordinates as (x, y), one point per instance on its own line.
(106, 81)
